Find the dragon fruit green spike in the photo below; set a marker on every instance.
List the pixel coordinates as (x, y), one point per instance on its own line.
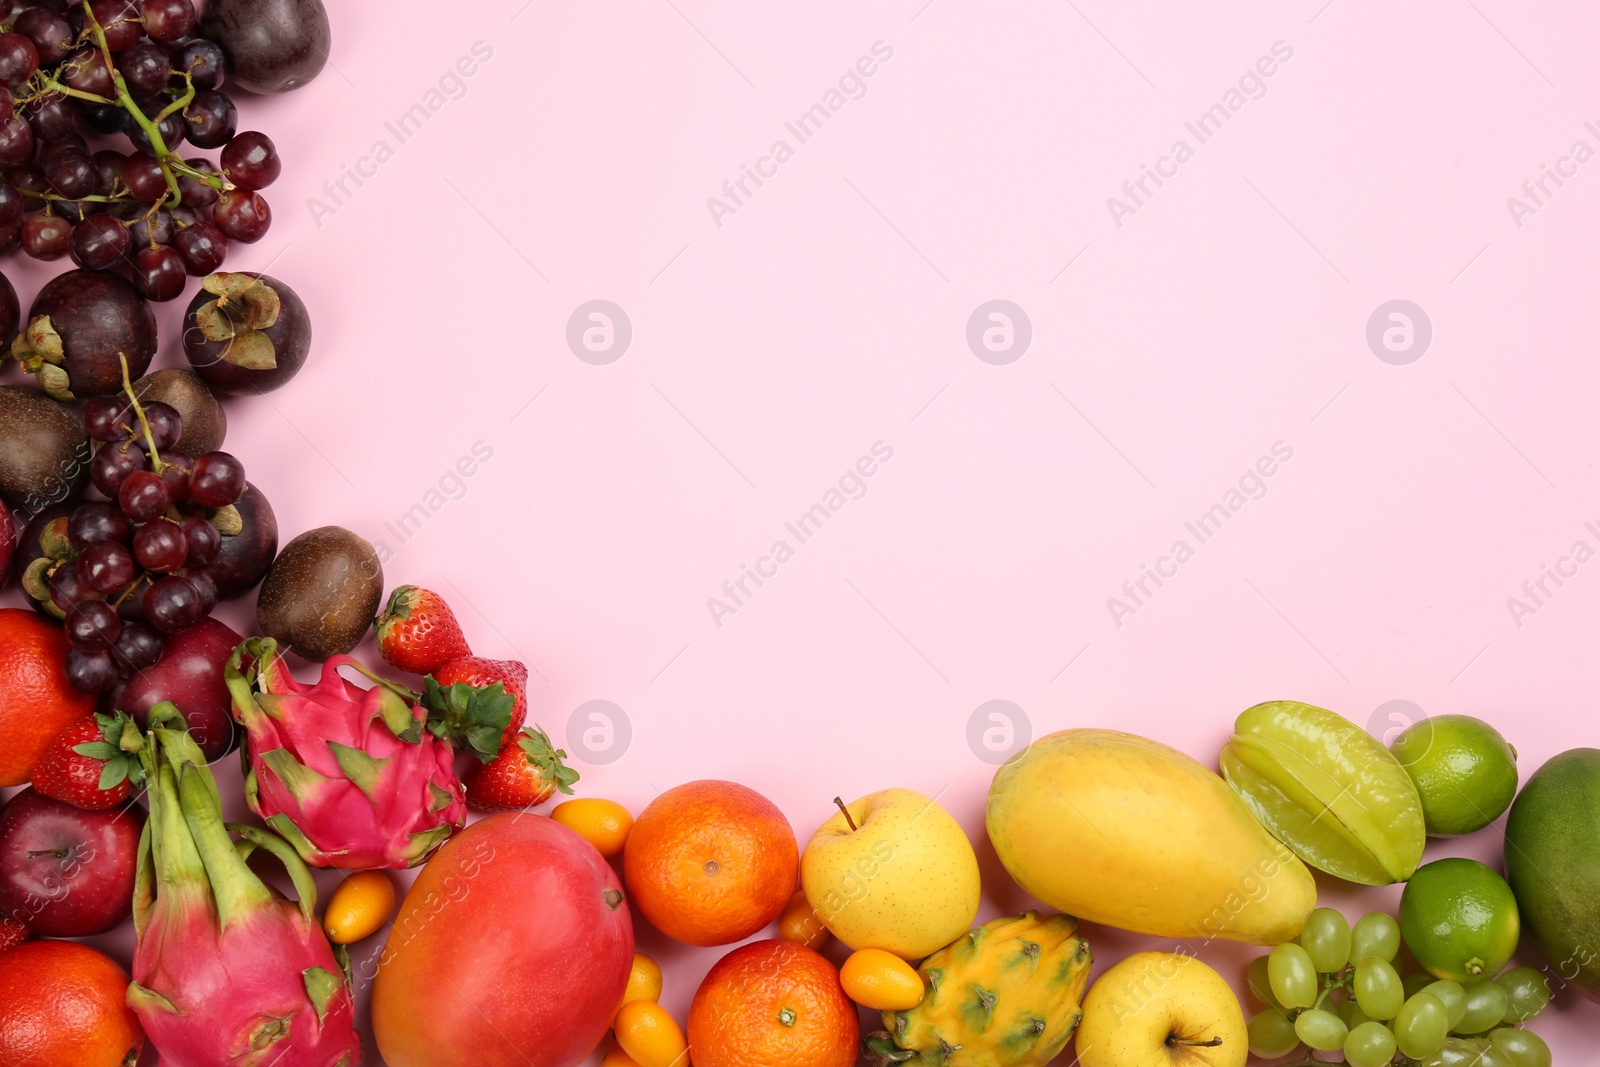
(351, 777)
(226, 971)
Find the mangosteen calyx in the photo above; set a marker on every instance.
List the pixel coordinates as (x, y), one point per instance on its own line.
(227, 520)
(244, 307)
(38, 348)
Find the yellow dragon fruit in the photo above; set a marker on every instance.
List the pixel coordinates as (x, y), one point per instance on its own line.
(1006, 994)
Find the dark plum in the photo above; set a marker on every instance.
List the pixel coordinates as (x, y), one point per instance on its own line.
(246, 332)
(271, 45)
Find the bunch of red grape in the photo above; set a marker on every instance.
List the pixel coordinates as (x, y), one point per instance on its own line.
(134, 68)
(138, 566)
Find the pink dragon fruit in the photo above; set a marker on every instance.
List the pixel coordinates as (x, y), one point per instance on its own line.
(226, 973)
(353, 777)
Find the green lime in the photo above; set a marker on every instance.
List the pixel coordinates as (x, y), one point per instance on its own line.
(1464, 771)
(1460, 920)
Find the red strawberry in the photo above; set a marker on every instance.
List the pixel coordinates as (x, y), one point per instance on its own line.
(523, 775)
(479, 672)
(418, 632)
(89, 762)
(12, 933)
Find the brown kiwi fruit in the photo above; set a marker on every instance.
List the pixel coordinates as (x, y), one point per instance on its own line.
(322, 593)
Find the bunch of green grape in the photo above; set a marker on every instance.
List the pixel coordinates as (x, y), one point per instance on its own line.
(1335, 989)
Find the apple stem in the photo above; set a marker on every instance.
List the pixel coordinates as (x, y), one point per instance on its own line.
(55, 853)
(840, 801)
(1213, 1043)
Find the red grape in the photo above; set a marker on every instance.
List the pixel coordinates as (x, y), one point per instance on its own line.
(143, 176)
(166, 425)
(159, 273)
(107, 566)
(145, 68)
(172, 604)
(218, 480)
(138, 647)
(51, 34)
(210, 119)
(202, 246)
(95, 522)
(202, 538)
(19, 58)
(99, 241)
(175, 467)
(111, 466)
(160, 546)
(92, 626)
(251, 161)
(242, 214)
(90, 672)
(204, 62)
(119, 20)
(46, 237)
(67, 586)
(143, 496)
(168, 20)
(106, 418)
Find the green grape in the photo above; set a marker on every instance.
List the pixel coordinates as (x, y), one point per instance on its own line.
(1321, 1030)
(1416, 982)
(1452, 996)
(1421, 1026)
(1326, 938)
(1527, 993)
(1272, 1035)
(1375, 934)
(1378, 989)
(1486, 1006)
(1293, 977)
(1520, 1048)
(1352, 1014)
(1261, 984)
(1371, 1044)
(1458, 1052)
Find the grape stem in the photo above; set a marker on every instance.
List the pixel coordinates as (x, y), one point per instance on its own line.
(168, 160)
(138, 410)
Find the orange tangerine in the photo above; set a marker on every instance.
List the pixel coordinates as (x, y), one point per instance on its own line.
(799, 923)
(650, 1036)
(359, 907)
(603, 823)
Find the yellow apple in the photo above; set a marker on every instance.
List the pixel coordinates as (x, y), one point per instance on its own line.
(892, 871)
(1160, 1009)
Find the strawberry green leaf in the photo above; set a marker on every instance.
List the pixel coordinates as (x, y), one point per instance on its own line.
(113, 774)
(101, 750)
(544, 756)
(469, 717)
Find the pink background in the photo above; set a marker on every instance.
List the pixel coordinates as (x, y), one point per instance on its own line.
(829, 313)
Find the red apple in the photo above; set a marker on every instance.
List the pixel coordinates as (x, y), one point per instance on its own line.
(190, 675)
(64, 871)
(512, 950)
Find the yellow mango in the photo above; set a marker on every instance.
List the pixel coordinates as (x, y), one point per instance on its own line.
(1124, 831)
